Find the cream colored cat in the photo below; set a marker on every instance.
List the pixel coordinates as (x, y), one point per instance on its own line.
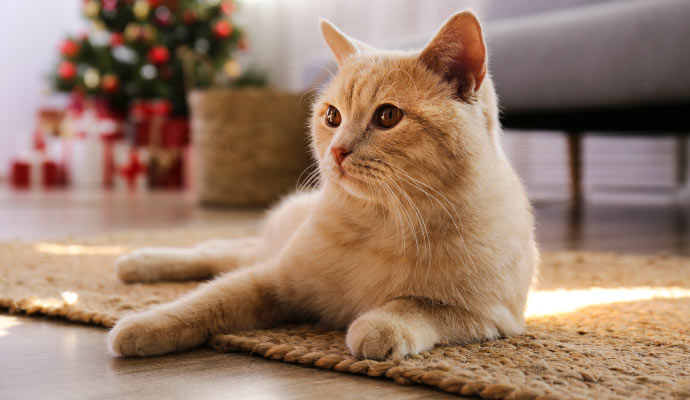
(420, 232)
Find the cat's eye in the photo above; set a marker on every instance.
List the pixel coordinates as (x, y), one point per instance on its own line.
(387, 116)
(333, 117)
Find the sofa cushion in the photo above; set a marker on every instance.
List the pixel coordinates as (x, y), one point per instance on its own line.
(612, 54)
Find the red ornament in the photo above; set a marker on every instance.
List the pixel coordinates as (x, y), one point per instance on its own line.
(109, 5)
(222, 29)
(69, 48)
(154, 3)
(117, 39)
(110, 83)
(159, 55)
(67, 70)
(228, 7)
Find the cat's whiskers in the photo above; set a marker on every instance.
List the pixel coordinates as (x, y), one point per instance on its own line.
(399, 222)
(460, 235)
(380, 200)
(301, 186)
(398, 207)
(383, 211)
(395, 204)
(419, 185)
(416, 184)
(312, 92)
(422, 224)
(406, 212)
(313, 179)
(455, 221)
(379, 188)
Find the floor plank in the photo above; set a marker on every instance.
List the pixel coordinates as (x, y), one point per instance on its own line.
(44, 358)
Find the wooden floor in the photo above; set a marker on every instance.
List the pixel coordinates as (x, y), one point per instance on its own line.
(42, 358)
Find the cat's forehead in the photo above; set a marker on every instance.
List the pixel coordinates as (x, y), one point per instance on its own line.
(374, 78)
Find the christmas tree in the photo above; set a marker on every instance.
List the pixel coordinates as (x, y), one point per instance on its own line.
(152, 49)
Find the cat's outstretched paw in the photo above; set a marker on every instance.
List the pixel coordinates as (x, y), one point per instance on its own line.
(137, 266)
(380, 336)
(152, 333)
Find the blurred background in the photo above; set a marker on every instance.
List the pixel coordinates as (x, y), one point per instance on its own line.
(124, 114)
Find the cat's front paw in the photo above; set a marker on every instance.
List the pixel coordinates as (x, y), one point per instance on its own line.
(137, 266)
(152, 333)
(380, 336)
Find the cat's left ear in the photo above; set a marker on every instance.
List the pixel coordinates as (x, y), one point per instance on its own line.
(342, 46)
(458, 53)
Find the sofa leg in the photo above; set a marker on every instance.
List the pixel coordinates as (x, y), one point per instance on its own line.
(575, 166)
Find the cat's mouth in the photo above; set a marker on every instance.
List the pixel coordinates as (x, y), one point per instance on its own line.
(347, 178)
(344, 175)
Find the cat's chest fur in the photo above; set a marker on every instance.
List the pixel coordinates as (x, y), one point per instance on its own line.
(354, 251)
(391, 239)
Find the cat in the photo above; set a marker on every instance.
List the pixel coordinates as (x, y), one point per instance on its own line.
(420, 232)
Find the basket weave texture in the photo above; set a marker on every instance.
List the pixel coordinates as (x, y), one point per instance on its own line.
(250, 145)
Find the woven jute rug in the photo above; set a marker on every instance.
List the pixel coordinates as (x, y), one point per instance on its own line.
(599, 326)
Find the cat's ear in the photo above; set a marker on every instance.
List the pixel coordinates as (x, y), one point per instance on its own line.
(341, 45)
(458, 53)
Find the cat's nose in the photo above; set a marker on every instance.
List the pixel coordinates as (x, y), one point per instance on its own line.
(339, 153)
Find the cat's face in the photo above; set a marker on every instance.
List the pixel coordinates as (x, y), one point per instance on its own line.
(393, 123)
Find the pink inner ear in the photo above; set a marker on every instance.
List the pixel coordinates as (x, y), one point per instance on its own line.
(458, 52)
(471, 59)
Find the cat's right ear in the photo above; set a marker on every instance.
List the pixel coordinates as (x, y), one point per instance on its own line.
(341, 45)
(458, 53)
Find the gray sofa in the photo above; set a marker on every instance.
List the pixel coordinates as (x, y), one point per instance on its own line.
(617, 66)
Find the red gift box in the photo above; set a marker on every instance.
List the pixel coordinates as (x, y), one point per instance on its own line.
(50, 174)
(154, 126)
(20, 174)
(175, 133)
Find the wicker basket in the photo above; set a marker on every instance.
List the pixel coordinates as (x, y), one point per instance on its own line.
(250, 145)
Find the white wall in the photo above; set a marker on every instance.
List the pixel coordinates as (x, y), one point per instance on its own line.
(288, 36)
(30, 31)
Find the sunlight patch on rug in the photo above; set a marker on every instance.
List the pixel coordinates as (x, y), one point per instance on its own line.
(77, 249)
(552, 302)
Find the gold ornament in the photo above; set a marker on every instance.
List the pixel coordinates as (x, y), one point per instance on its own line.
(141, 9)
(148, 32)
(92, 78)
(132, 31)
(232, 69)
(92, 8)
(98, 26)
